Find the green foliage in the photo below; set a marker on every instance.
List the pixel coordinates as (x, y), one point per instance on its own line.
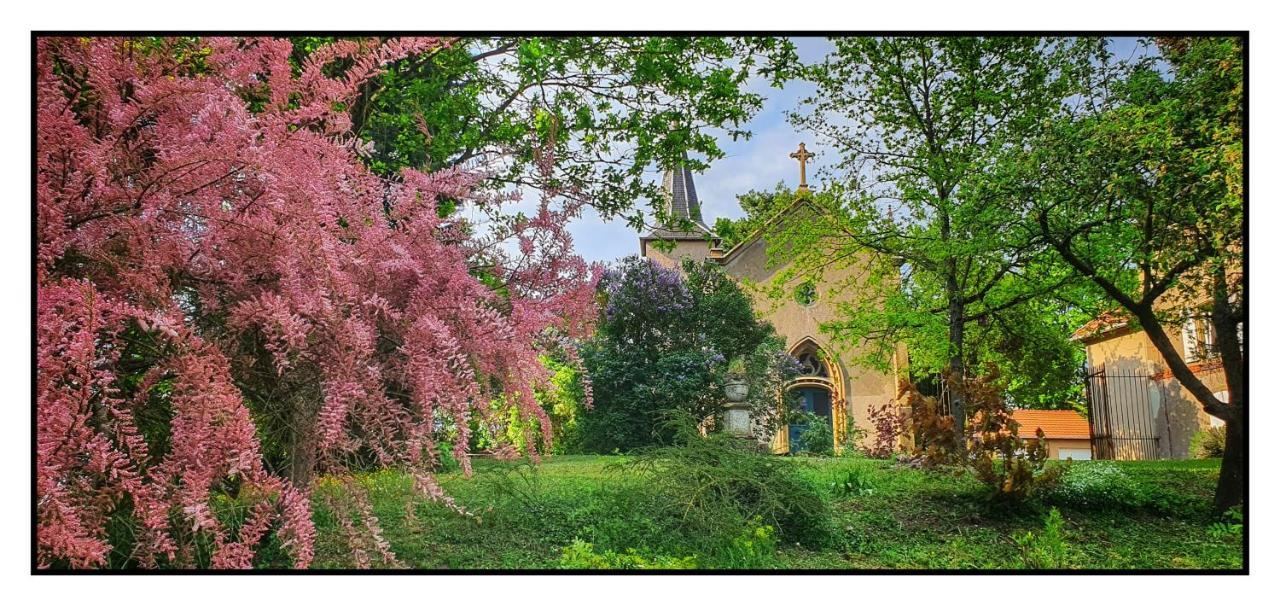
(717, 485)
(606, 108)
(445, 461)
(1108, 486)
(850, 443)
(1046, 549)
(632, 391)
(1209, 443)
(564, 403)
(1147, 180)
(582, 555)
(668, 341)
(605, 531)
(754, 549)
(1101, 484)
(817, 438)
(912, 519)
(856, 482)
(1030, 346)
(915, 124)
(760, 207)
(1231, 525)
(503, 427)
(722, 311)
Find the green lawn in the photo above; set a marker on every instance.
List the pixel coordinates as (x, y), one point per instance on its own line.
(893, 518)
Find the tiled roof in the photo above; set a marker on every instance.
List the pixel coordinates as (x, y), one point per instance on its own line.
(1055, 423)
(1106, 322)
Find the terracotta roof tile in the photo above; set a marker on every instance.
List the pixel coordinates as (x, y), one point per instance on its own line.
(1103, 324)
(1055, 423)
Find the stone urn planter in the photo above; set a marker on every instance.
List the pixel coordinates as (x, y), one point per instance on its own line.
(737, 419)
(735, 390)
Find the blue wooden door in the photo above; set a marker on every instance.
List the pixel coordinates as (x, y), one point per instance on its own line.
(813, 400)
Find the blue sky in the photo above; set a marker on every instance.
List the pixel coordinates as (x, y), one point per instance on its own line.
(756, 163)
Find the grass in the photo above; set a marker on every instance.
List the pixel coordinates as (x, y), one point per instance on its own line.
(884, 517)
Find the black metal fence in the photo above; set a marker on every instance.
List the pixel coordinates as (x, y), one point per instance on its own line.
(1122, 415)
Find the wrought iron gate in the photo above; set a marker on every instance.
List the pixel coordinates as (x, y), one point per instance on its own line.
(1122, 415)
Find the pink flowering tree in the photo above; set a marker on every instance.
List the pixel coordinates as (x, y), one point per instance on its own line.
(229, 302)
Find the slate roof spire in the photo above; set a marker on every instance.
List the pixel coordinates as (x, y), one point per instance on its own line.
(682, 197)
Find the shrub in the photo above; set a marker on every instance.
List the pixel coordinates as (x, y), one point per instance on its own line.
(1209, 443)
(1231, 525)
(889, 426)
(934, 432)
(755, 548)
(855, 482)
(1013, 468)
(816, 439)
(565, 400)
(1046, 549)
(583, 555)
(665, 341)
(1096, 484)
(717, 485)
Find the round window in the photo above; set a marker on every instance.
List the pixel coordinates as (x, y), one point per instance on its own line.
(806, 293)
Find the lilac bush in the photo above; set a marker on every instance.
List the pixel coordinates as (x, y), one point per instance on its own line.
(665, 342)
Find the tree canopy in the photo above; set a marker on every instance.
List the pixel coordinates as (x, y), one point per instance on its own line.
(1141, 193)
(665, 342)
(916, 123)
(601, 110)
(229, 301)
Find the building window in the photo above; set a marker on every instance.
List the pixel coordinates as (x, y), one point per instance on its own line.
(811, 365)
(1197, 339)
(806, 293)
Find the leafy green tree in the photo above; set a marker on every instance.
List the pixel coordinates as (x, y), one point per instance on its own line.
(565, 402)
(1142, 195)
(601, 109)
(916, 123)
(760, 206)
(665, 343)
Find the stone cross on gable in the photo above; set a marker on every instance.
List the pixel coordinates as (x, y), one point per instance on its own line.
(803, 156)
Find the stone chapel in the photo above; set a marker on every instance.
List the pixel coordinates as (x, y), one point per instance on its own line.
(832, 385)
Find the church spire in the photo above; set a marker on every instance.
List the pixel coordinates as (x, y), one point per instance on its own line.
(681, 196)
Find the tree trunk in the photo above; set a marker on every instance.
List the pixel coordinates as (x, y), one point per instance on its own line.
(955, 367)
(1230, 491)
(955, 327)
(303, 441)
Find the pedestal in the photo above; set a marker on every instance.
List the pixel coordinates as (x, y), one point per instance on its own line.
(737, 422)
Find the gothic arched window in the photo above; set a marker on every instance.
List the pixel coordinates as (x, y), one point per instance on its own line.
(811, 365)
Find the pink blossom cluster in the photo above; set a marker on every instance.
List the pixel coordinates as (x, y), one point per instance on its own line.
(202, 215)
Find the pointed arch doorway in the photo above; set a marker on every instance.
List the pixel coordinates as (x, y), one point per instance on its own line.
(819, 390)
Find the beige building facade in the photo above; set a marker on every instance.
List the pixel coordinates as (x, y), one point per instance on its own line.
(1117, 350)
